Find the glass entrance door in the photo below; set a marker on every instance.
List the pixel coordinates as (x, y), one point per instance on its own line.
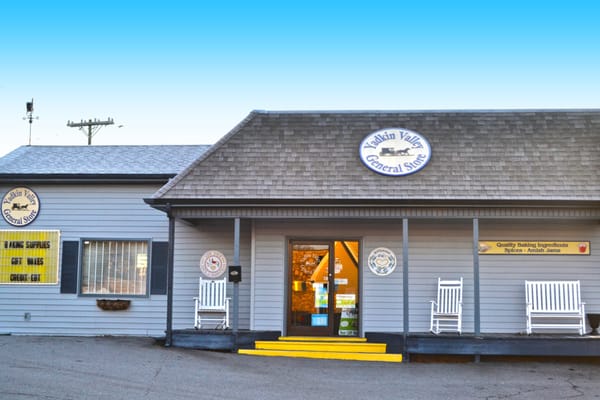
(323, 288)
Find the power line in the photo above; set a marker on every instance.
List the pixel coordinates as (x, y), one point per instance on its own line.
(92, 126)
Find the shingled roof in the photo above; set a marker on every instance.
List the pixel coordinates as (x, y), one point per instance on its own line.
(97, 162)
(476, 155)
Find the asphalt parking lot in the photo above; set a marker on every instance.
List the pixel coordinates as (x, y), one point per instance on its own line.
(64, 368)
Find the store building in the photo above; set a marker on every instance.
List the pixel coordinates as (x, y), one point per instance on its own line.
(309, 201)
(341, 223)
(76, 236)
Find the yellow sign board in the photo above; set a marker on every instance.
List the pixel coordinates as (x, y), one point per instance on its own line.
(29, 257)
(534, 247)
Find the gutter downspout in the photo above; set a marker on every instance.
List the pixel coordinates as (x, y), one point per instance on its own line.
(170, 263)
(476, 294)
(236, 285)
(476, 289)
(405, 288)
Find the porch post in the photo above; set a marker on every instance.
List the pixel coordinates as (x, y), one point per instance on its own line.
(236, 285)
(405, 304)
(170, 262)
(476, 298)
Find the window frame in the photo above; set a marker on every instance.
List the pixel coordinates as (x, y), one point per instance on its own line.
(81, 258)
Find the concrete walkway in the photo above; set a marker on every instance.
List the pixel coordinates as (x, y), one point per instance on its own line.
(62, 368)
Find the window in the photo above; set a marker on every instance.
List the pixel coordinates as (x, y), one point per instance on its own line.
(114, 267)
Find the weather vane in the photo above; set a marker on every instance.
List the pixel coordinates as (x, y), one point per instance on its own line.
(29, 116)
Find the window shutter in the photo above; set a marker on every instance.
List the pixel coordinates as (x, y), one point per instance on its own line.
(158, 271)
(70, 263)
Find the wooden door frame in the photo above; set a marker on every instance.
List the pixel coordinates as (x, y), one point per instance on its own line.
(309, 330)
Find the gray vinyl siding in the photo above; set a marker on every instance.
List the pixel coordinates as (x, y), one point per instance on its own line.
(86, 211)
(503, 277)
(381, 297)
(443, 249)
(269, 292)
(103, 211)
(191, 242)
(437, 248)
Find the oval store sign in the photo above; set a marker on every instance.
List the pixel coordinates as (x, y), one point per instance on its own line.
(395, 151)
(20, 206)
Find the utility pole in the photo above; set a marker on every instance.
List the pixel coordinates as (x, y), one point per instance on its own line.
(29, 116)
(92, 126)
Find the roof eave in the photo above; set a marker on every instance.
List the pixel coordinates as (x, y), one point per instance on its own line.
(85, 178)
(160, 203)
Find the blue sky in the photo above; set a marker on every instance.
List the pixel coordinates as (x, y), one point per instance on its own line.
(186, 72)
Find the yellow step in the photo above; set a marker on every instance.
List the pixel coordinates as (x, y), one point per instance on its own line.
(352, 339)
(322, 346)
(329, 355)
(332, 348)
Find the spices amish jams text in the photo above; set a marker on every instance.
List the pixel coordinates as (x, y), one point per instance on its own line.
(523, 247)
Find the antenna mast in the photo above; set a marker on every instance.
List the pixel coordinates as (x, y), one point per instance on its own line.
(92, 126)
(29, 116)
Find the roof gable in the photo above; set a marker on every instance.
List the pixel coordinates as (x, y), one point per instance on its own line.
(476, 155)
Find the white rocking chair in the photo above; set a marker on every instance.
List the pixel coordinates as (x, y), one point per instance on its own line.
(211, 300)
(446, 312)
